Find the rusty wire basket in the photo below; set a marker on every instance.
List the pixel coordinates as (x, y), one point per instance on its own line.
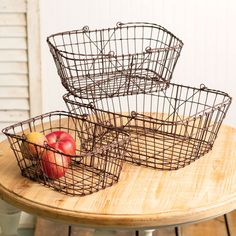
(94, 166)
(169, 129)
(128, 59)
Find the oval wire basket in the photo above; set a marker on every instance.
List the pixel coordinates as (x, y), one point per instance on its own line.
(130, 58)
(169, 129)
(95, 165)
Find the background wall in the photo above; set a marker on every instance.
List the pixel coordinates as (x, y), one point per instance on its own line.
(207, 29)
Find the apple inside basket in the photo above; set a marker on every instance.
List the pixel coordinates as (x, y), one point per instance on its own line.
(67, 152)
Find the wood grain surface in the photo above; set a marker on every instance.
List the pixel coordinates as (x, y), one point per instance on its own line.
(142, 198)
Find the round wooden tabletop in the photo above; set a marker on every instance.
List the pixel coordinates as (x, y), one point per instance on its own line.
(143, 197)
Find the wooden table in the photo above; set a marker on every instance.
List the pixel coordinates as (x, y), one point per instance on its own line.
(143, 199)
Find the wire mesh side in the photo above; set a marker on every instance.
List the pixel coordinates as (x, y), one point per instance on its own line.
(94, 167)
(127, 59)
(169, 129)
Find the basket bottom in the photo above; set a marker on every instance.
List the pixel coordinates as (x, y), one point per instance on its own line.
(118, 83)
(79, 180)
(164, 151)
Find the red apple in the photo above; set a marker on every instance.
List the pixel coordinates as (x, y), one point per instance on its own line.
(31, 150)
(62, 141)
(54, 164)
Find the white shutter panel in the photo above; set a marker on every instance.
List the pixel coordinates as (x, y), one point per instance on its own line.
(19, 61)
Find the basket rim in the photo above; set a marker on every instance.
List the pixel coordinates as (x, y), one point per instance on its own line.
(201, 87)
(111, 54)
(66, 98)
(71, 115)
(86, 29)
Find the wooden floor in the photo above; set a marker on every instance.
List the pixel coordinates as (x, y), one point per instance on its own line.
(220, 226)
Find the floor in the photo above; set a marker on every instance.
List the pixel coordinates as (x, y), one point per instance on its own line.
(220, 226)
(26, 232)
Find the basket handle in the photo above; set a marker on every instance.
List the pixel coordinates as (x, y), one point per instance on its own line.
(148, 49)
(84, 29)
(203, 87)
(121, 24)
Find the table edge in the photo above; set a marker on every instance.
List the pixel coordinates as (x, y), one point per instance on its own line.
(166, 218)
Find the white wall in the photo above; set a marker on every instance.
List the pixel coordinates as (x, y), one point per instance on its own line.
(207, 27)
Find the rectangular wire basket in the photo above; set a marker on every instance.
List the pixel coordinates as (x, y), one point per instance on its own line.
(127, 59)
(169, 129)
(94, 166)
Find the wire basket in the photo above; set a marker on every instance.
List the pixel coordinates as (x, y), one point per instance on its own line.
(130, 58)
(168, 129)
(94, 166)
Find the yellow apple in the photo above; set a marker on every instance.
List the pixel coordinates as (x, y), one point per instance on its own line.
(30, 149)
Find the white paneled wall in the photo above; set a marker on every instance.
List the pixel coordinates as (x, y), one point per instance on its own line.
(206, 27)
(14, 96)
(20, 78)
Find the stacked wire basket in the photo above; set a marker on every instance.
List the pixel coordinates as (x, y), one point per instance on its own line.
(118, 83)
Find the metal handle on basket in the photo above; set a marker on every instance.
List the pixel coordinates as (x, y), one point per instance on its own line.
(85, 28)
(90, 105)
(148, 49)
(109, 54)
(203, 87)
(120, 24)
